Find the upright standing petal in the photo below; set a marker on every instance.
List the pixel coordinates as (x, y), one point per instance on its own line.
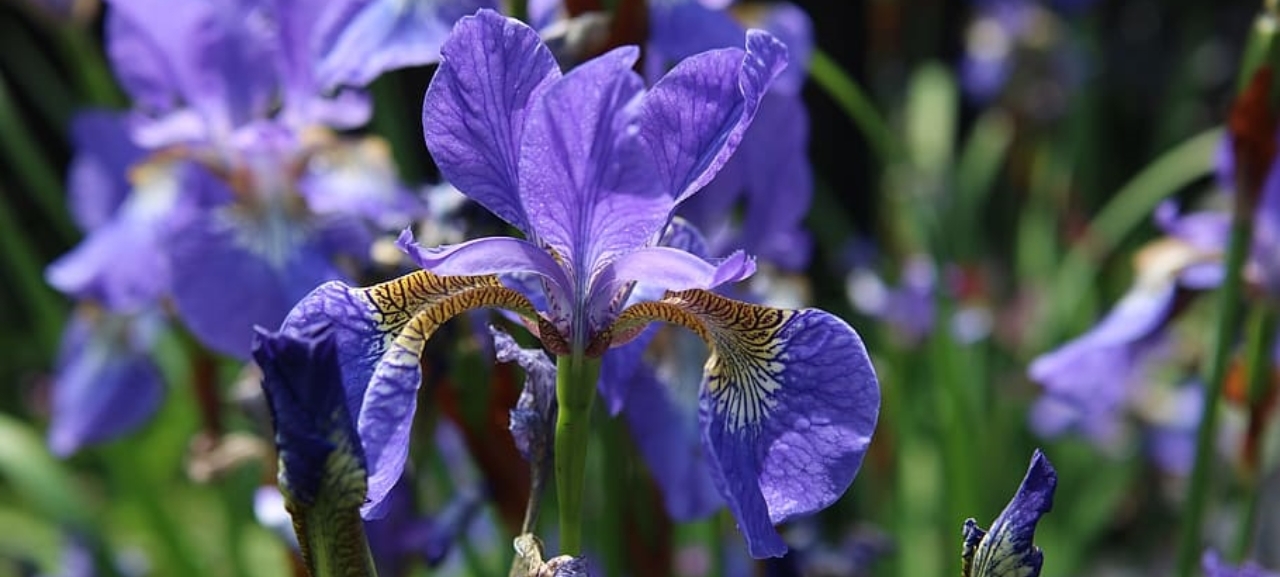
(492, 69)
(694, 118)
(681, 28)
(97, 181)
(1007, 548)
(582, 167)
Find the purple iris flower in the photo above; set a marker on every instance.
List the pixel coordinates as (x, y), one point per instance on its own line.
(244, 93)
(106, 383)
(590, 165)
(1214, 566)
(1008, 548)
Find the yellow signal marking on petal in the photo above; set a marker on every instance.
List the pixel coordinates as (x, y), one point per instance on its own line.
(747, 356)
(395, 302)
(412, 307)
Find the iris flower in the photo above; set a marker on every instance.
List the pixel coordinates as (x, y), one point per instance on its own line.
(590, 166)
(248, 93)
(1007, 548)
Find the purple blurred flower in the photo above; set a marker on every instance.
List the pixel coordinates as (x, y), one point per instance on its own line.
(1008, 547)
(1095, 381)
(402, 537)
(909, 307)
(106, 383)
(121, 264)
(1214, 566)
(238, 97)
(1022, 51)
(590, 166)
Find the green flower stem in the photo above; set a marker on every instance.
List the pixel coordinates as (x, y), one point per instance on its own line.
(575, 390)
(333, 540)
(1261, 341)
(620, 498)
(1189, 546)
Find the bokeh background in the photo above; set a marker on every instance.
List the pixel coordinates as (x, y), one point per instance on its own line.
(978, 192)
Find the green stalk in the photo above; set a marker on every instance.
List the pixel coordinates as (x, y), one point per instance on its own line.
(1189, 546)
(575, 390)
(31, 170)
(619, 494)
(1261, 341)
(23, 259)
(333, 541)
(856, 105)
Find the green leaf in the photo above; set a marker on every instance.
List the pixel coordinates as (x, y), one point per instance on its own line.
(41, 480)
(1129, 207)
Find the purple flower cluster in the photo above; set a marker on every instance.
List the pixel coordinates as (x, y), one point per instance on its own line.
(225, 194)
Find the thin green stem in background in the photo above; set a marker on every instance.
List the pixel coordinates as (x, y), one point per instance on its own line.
(1260, 342)
(1130, 206)
(856, 105)
(33, 73)
(23, 262)
(32, 171)
(617, 497)
(1189, 546)
(575, 390)
(84, 56)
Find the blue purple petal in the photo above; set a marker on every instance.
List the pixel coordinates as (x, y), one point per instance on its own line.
(380, 332)
(273, 262)
(666, 433)
(198, 55)
(694, 117)
(582, 166)
(679, 29)
(533, 418)
(492, 69)
(106, 383)
(787, 408)
(97, 180)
